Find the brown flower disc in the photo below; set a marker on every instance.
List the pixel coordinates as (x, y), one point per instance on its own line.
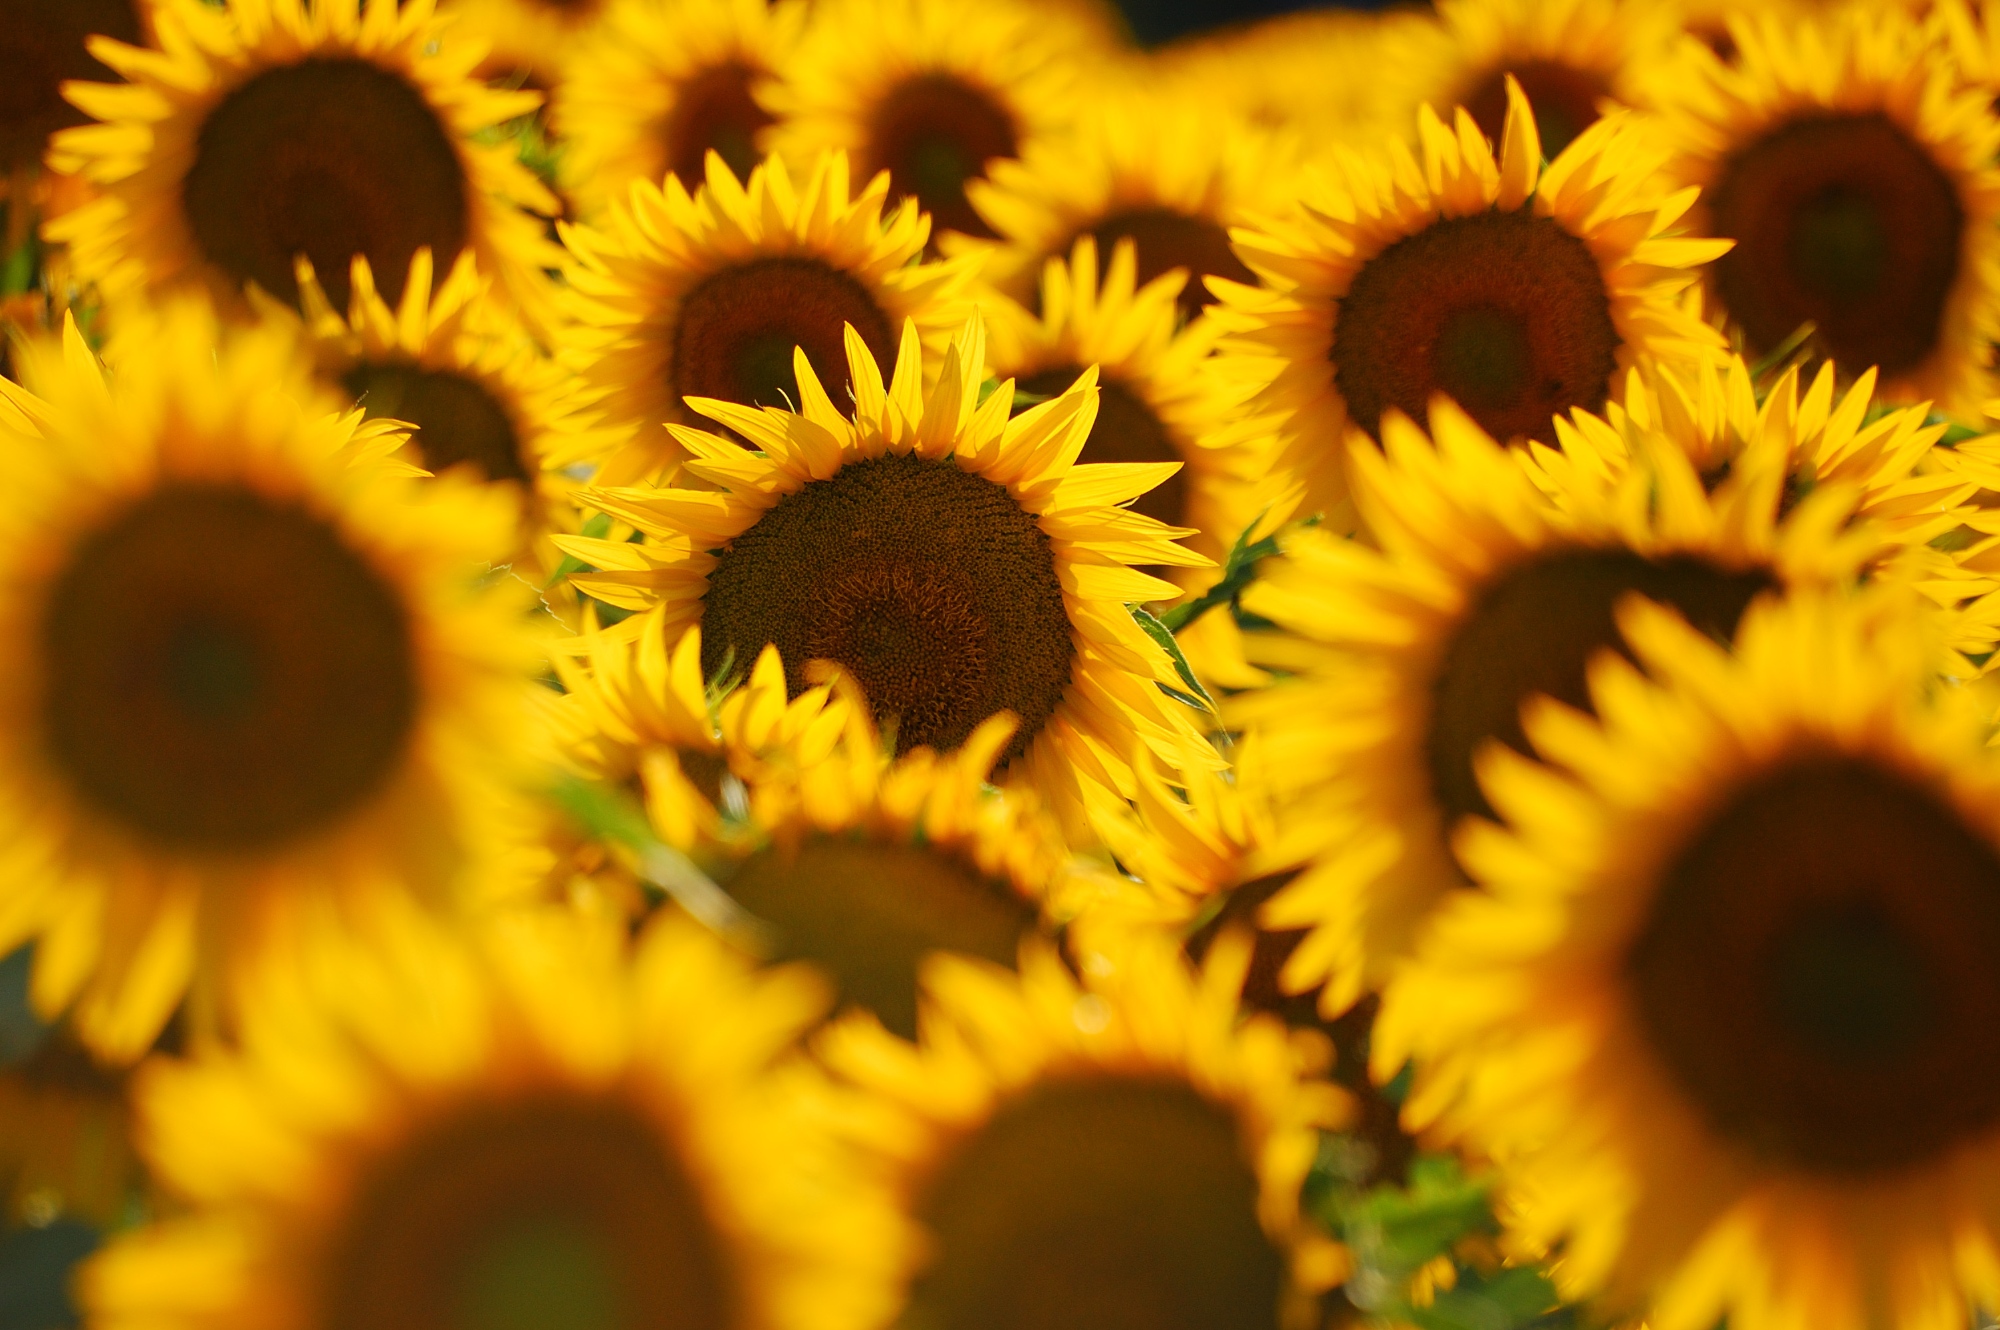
(329, 158)
(545, 1212)
(1506, 313)
(458, 421)
(223, 672)
(868, 913)
(1564, 100)
(933, 133)
(41, 45)
(1845, 222)
(736, 332)
(1165, 240)
(715, 113)
(1126, 431)
(1058, 1212)
(927, 583)
(1817, 969)
(1534, 630)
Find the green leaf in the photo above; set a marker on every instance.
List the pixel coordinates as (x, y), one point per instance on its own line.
(1512, 1296)
(1164, 637)
(1238, 571)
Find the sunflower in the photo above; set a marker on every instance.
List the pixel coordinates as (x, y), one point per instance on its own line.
(931, 91)
(523, 1128)
(654, 89)
(953, 558)
(1485, 591)
(706, 295)
(65, 1141)
(1856, 175)
(1725, 1004)
(524, 41)
(42, 47)
(1520, 291)
(1025, 1136)
(265, 129)
(255, 666)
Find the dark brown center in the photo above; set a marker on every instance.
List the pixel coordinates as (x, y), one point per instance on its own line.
(1058, 1213)
(934, 132)
(927, 583)
(715, 112)
(737, 331)
(1844, 222)
(224, 672)
(1165, 240)
(1564, 100)
(869, 913)
(41, 45)
(328, 158)
(1818, 972)
(458, 421)
(1534, 630)
(1126, 431)
(1504, 312)
(539, 1214)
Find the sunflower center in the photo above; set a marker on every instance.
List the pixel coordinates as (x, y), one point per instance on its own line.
(1817, 969)
(457, 420)
(715, 112)
(1563, 98)
(1057, 1212)
(551, 1212)
(737, 330)
(1126, 431)
(1842, 221)
(1534, 630)
(1166, 239)
(1504, 312)
(41, 45)
(870, 912)
(928, 583)
(932, 134)
(224, 672)
(328, 158)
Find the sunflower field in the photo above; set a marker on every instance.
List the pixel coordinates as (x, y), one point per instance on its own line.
(916, 665)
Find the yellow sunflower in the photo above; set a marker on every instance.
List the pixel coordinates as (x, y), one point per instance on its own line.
(526, 1128)
(656, 88)
(1855, 172)
(1485, 591)
(254, 666)
(1025, 1140)
(950, 556)
(1517, 290)
(523, 41)
(264, 129)
(706, 295)
(1725, 1006)
(931, 91)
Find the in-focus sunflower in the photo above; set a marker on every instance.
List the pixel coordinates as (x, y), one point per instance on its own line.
(1519, 291)
(253, 666)
(931, 91)
(42, 47)
(707, 295)
(1025, 1139)
(1482, 592)
(950, 556)
(521, 1129)
(265, 129)
(656, 88)
(1855, 172)
(1724, 1007)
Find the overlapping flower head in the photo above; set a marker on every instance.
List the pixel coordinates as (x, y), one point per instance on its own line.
(1519, 291)
(255, 666)
(1023, 1139)
(1722, 1004)
(706, 294)
(519, 1125)
(1855, 172)
(263, 129)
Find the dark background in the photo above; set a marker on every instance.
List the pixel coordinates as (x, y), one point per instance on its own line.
(1158, 21)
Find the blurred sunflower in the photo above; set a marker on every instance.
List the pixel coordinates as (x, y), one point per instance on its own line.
(655, 88)
(949, 555)
(1484, 592)
(1856, 174)
(523, 1129)
(42, 47)
(524, 41)
(264, 129)
(65, 1137)
(931, 91)
(255, 667)
(707, 295)
(1725, 1004)
(1516, 290)
(1025, 1136)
